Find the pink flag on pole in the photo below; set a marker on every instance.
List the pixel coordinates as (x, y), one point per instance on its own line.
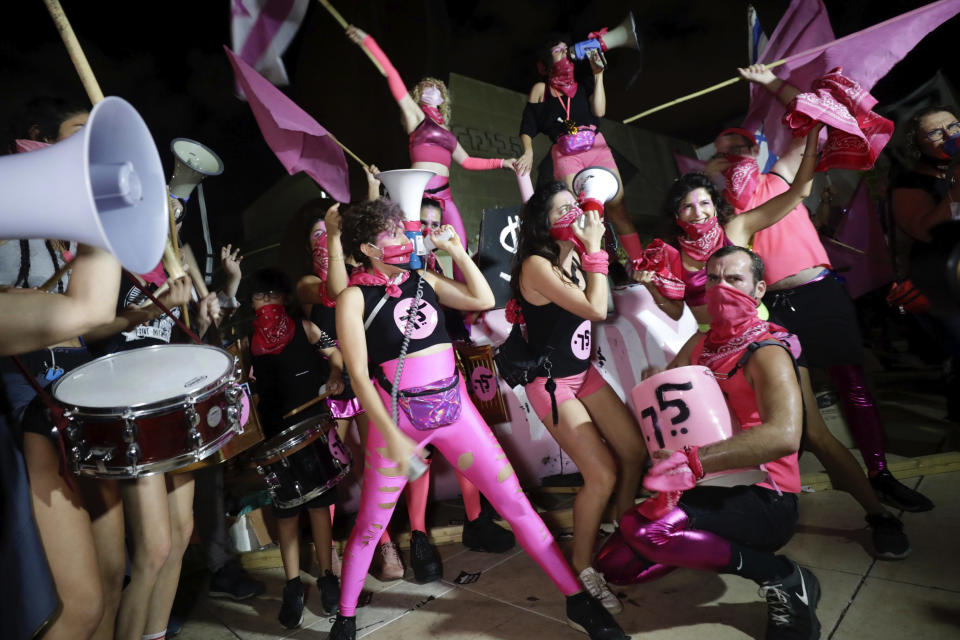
(261, 30)
(861, 230)
(686, 164)
(866, 56)
(298, 141)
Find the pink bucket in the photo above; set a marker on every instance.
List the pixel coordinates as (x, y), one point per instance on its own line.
(685, 407)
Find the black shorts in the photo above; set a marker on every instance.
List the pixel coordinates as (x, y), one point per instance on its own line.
(325, 499)
(752, 516)
(822, 316)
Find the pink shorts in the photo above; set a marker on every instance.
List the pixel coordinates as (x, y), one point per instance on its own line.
(344, 408)
(578, 386)
(596, 156)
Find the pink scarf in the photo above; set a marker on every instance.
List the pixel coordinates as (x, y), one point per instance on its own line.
(655, 258)
(742, 178)
(376, 279)
(433, 113)
(273, 329)
(700, 239)
(855, 134)
(562, 79)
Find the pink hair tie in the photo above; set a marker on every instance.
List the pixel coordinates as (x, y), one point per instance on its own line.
(596, 262)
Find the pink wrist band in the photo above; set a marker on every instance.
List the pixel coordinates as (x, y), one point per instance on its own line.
(596, 262)
(397, 88)
(482, 164)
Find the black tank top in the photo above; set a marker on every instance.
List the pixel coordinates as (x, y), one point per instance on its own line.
(385, 335)
(288, 379)
(564, 336)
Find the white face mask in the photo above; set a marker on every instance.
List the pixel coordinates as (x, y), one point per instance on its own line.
(431, 96)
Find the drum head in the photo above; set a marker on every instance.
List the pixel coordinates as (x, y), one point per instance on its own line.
(143, 376)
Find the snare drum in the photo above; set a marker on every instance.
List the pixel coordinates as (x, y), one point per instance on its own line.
(685, 407)
(303, 461)
(149, 410)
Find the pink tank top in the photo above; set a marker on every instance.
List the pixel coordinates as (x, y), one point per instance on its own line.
(784, 471)
(791, 245)
(430, 142)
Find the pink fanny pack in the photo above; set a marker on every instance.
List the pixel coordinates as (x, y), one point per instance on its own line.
(582, 140)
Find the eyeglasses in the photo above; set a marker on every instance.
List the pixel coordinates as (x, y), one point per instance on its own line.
(938, 134)
(264, 295)
(560, 48)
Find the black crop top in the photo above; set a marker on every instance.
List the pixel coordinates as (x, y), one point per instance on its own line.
(565, 336)
(288, 379)
(547, 116)
(385, 335)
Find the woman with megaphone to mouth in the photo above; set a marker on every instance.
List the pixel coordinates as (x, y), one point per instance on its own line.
(425, 111)
(390, 329)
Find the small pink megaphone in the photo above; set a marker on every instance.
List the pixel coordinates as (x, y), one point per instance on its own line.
(685, 407)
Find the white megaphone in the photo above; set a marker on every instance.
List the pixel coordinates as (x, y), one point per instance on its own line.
(192, 163)
(102, 186)
(405, 187)
(594, 187)
(624, 35)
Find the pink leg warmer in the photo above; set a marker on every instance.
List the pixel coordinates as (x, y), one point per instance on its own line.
(861, 413)
(667, 541)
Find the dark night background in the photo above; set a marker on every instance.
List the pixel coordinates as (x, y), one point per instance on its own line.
(167, 60)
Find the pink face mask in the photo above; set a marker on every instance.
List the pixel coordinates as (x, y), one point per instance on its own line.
(561, 77)
(24, 145)
(562, 228)
(431, 96)
(731, 310)
(396, 254)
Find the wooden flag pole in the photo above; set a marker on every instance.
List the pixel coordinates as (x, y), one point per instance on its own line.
(343, 23)
(75, 51)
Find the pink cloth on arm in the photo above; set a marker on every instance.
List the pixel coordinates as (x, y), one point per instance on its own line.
(791, 245)
(482, 164)
(397, 88)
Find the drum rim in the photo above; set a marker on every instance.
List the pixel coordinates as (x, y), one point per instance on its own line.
(148, 408)
(313, 493)
(128, 472)
(316, 421)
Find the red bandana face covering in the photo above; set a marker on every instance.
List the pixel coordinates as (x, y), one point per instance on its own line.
(396, 254)
(433, 113)
(742, 178)
(272, 330)
(700, 239)
(734, 324)
(561, 77)
(562, 229)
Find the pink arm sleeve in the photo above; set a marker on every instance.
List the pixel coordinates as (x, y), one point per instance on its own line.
(397, 88)
(482, 164)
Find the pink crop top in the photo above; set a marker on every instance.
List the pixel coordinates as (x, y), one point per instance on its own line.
(430, 142)
(791, 245)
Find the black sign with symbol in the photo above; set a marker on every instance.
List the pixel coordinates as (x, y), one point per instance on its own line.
(498, 244)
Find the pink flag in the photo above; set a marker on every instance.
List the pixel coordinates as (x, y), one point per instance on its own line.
(866, 56)
(686, 164)
(298, 141)
(861, 230)
(261, 30)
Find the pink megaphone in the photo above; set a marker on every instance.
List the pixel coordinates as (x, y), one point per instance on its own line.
(685, 407)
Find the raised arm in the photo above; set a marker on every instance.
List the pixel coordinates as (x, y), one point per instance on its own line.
(789, 161)
(475, 293)
(412, 115)
(31, 320)
(742, 227)
(598, 99)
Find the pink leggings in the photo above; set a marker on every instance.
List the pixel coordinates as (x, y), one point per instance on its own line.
(468, 444)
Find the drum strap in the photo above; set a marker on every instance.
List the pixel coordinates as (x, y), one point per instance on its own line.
(56, 415)
(752, 348)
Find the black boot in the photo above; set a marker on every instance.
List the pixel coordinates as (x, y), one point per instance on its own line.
(424, 558)
(896, 494)
(329, 588)
(483, 534)
(586, 614)
(291, 611)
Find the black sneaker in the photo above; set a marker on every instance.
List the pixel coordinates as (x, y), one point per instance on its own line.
(232, 581)
(329, 588)
(424, 558)
(792, 606)
(345, 628)
(896, 494)
(889, 540)
(291, 611)
(483, 534)
(587, 615)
